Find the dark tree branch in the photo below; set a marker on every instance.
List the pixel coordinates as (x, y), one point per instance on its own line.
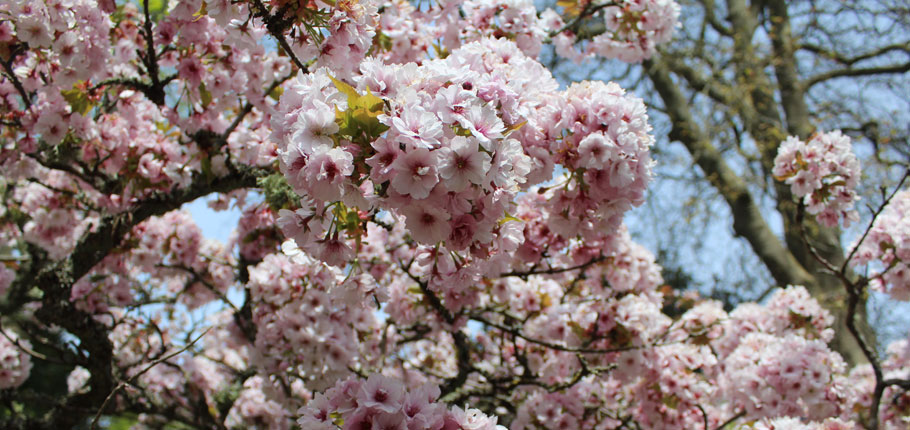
(8, 72)
(862, 71)
(555, 270)
(748, 221)
(155, 92)
(849, 61)
(56, 278)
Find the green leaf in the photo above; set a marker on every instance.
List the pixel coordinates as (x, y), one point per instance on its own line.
(369, 102)
(276, 93)
(578, 330)
(514, 127)
(345, 88)
(360, 122)
(440, 51)
(157, 7)
(78, 100)
(121, 422)
(205, 95)
(508, 217)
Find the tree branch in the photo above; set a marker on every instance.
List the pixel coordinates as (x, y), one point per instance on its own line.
(56, 278)
(864, 71)
(747, 219)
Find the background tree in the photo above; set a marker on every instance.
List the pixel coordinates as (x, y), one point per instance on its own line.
(737, 79)
(430, 225)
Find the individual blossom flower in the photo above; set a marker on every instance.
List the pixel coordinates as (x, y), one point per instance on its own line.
(383, 403)
(326, 172)
(635, 28)
(484, 124)
(333, 251)
(35, 30)
(191, 69)
(417, 127)
(381, 393)
(315, 126)
(595, 151)
(382, 162)
(462, 164)
(426, 223)
(415, 173)
(77, 379)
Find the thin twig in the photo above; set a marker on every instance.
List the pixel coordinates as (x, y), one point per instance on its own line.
(589, 10)
(738, 415)
(135, 377)
(553, 271)
(875, 215)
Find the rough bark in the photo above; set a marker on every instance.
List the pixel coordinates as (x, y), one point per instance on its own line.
(56, 278)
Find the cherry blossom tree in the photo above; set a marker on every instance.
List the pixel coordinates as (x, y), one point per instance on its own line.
(737, 78)
(431, 234)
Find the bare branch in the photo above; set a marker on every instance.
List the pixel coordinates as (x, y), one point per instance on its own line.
(863, 71)
(134, 378)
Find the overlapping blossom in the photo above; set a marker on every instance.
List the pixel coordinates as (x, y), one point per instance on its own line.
(823, 173)
(887, 244)
(634, 28)
(436, 143)
(384, 403)
(311, 323)
(15, 363)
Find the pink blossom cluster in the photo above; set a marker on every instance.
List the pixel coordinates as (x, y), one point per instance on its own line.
(791, 423)
(78, 58)
(460, 223)
(76, 33)
(219, 55)
(351, 31)
(615, 309)
(895, 406)
(261, 405)
(686, 375)
(773, 359)
(823, 173)
(888, 245)
(634, 28)
(15, 363)
(311, 321)
(256, 234)
(408, 34)
(405, 33)
(515, 20)
(571, 409)
(790, 310)
(547, 230)
(384, 403)
(670, 383)
(602, 138)
(54, 225)
(449, 161)
(772, 376)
